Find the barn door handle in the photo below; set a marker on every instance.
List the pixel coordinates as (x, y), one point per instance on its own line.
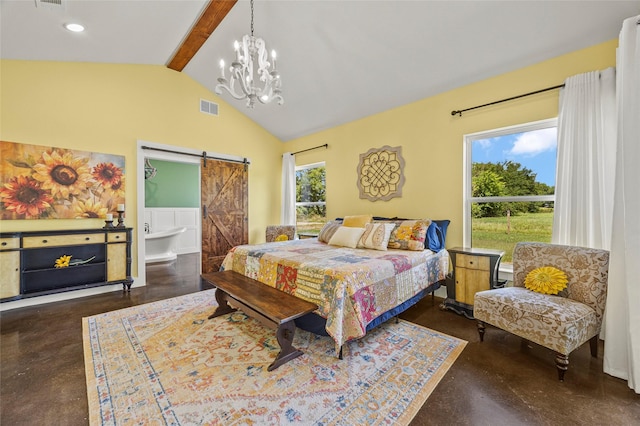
(204, 212)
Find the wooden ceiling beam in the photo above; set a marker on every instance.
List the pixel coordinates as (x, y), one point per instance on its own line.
(211, 17)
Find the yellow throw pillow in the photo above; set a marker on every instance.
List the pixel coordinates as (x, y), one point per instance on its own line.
(359, 221)
(282, 237)
(546, 280)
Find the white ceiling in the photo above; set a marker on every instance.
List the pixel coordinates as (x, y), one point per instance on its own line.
(339, 60)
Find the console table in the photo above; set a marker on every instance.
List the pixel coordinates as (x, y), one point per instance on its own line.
(98, 257)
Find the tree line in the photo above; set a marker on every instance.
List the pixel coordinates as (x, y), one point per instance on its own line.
(502, 179)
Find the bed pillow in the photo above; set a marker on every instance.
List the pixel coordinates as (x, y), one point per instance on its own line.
(409, 235)
(346, 236)
(436, 235)
(359, 221)
(328, 230)
(376, 236)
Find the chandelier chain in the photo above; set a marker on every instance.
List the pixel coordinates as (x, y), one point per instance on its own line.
(251, 18)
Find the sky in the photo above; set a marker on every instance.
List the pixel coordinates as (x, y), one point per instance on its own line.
(535, 150)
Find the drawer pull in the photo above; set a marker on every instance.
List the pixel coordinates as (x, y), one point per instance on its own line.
(87, 238)
(117, 237)
(45, 241)
(4, 243)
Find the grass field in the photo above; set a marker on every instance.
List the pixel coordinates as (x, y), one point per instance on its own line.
(494, 232)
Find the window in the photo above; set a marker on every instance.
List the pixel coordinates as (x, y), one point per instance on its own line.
(509, 186)
(311, 209)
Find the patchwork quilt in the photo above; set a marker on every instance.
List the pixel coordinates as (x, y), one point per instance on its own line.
(350, 286)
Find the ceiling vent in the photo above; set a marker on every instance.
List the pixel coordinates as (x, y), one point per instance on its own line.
(50, 4)
(208, 107)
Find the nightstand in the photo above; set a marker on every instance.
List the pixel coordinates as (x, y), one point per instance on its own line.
(474, 270)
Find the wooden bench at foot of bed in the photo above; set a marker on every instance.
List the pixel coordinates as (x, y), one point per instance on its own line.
(272, 307)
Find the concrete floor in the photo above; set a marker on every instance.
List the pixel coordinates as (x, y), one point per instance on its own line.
(502, 381)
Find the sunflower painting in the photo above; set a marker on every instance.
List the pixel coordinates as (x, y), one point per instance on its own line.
(39, 182)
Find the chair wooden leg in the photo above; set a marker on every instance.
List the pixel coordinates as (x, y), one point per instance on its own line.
(593, 343)
(481, 330)
(562, 363)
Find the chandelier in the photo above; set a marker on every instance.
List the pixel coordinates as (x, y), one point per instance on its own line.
(248, 81)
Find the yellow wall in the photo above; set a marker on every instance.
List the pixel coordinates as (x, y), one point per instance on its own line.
(108, 107)
(432, 140)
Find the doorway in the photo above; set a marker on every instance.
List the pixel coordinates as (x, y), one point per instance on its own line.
(184, 155)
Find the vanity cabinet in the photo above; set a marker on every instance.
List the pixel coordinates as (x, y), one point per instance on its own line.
(474, 270)
(95, 257)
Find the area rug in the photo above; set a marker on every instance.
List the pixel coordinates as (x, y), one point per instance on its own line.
(166, 363)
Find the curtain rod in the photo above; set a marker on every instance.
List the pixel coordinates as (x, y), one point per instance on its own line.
(508, 99)
(203, 155)
(326, 145)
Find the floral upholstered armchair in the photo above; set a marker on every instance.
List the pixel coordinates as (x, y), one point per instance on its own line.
(280, 233)
(561, 322)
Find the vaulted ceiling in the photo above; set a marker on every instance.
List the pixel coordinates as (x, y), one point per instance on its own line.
(339, 60)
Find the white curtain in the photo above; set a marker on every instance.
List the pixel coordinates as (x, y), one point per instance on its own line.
(585, 173)
(622, 315)
(288, 211)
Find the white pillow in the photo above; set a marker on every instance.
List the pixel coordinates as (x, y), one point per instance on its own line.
(376, 236)
(346, 236)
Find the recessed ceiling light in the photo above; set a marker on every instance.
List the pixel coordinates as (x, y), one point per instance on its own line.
(76, 28)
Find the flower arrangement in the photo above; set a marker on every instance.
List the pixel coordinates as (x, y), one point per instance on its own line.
(62, 261)
(65, 261)
(53, 183)
(546, 280)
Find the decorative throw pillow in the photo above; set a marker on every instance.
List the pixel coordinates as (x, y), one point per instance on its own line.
(282, 237)
(546, 280)
(359, 221)
(346, 236)
(376, 236)
(409, 235)
(328, 230)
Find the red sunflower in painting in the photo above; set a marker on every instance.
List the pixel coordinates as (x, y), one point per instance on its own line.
(62, 173)
(23, 195)
(108, 175)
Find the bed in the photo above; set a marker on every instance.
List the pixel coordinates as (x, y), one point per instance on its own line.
(355, 288)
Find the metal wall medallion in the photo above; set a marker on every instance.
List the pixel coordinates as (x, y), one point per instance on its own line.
(380, 173)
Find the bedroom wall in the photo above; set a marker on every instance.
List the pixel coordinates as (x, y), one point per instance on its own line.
(108, 107)
(432, 139)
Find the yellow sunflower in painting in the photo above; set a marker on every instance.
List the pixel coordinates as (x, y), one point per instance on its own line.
(546, 280)
(89, 209)
(62, 173)
(62, 261)
(24, 195)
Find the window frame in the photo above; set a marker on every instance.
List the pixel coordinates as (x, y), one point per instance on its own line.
(468, 200)
(312, 203)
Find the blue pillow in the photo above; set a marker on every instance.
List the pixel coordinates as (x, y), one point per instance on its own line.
(436, 235)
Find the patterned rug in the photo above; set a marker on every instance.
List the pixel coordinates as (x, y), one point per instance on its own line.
(165, 363)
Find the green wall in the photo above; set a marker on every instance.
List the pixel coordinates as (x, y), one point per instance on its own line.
(174, 185)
